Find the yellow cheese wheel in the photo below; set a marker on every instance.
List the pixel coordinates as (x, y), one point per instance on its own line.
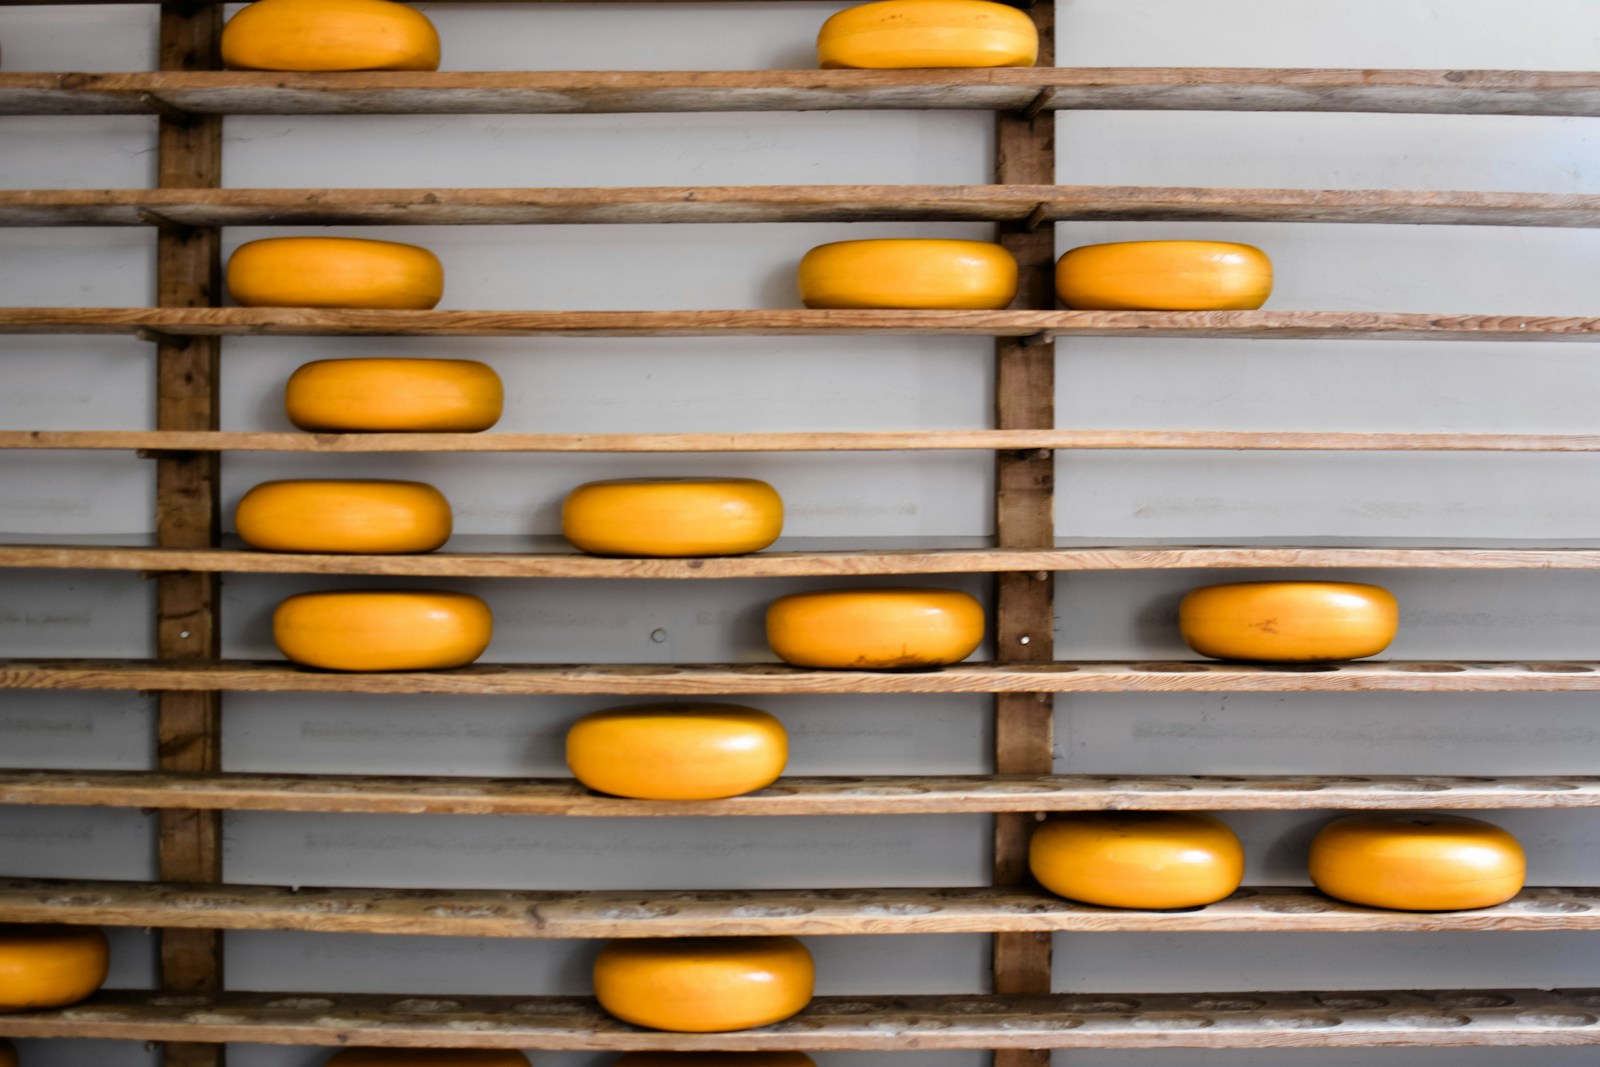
(329, 35)
(1164, 276)
(1290, 622)
(382, 630)
(394, 396)
(920, 273)
(704, 984)
(672, 516)
(343, 516)
(8, 1054)
(1137, 859)
(1417, 862)
(47, 966)
(928, 33)
(427, 1057)
(334, 272)
(875, 629)
(677, 751)
(714, 1059)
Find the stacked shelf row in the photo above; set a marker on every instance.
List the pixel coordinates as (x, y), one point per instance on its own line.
(1032, 206)
(1458, 92)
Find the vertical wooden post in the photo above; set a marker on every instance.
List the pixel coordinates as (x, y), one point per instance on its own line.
(1024, 518)
(188, 274)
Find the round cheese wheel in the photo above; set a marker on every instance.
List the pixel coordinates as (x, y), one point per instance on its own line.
(1164, 276)
(1289, 622)
(704, 984)
(922, 273)
(1137, 859)
(875, 629)
(48, 966)
(394, 396)
(343, 516)
(714, 1059)
(334, 272)
(8, 1054)
(672, 516)
(427, 1057)
(928, 33)
(382, 630)
(329, 35)
(677, 751)
(1417, 862)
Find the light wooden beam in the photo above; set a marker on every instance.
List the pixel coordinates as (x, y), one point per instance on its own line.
(1017, 203)
(886, 795)
(1345, 1019)
(1038, 326)
(501, 679)
(1454, 92)
(741, 912)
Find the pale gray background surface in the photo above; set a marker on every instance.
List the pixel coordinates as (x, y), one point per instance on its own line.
(660, 385)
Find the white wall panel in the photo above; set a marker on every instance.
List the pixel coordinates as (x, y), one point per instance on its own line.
(540, 852)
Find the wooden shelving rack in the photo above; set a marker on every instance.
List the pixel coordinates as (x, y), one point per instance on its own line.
(1020, 1019)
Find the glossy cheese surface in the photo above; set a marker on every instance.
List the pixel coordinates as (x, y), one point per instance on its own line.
(928, 33)
(311, 35)
(922, 273)
(334, 272)
(704, 984)
(382, 630)
(427, 1057)
(1136, 859)
(374, 517)
(875, 629)
(1290, 622)
(714, 1059)
(1417, 862)
(48, 966)
(394, 396)
(672, 516)
(1164, 276)
(677, 751)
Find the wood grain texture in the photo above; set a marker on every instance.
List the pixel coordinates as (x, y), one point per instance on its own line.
(1040, 325)
(1457, 92)
(897, 795)
(1360, 1019)
(743, 912)
(1024, 618)
(188, 491)
(865, 562)
(157, 441)
(533, 914)
(490, 679)
(799, 203)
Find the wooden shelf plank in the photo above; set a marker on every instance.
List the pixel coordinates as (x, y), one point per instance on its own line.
(740, 913)
(490, 679)
(572, 564)
(791, 564)
(1358, 1019)
(1482, 92)
(919, 795)
(158, 441)
(800, 203)
(1041, 325)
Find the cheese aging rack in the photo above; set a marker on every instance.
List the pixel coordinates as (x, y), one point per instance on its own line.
(1019, 1017)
